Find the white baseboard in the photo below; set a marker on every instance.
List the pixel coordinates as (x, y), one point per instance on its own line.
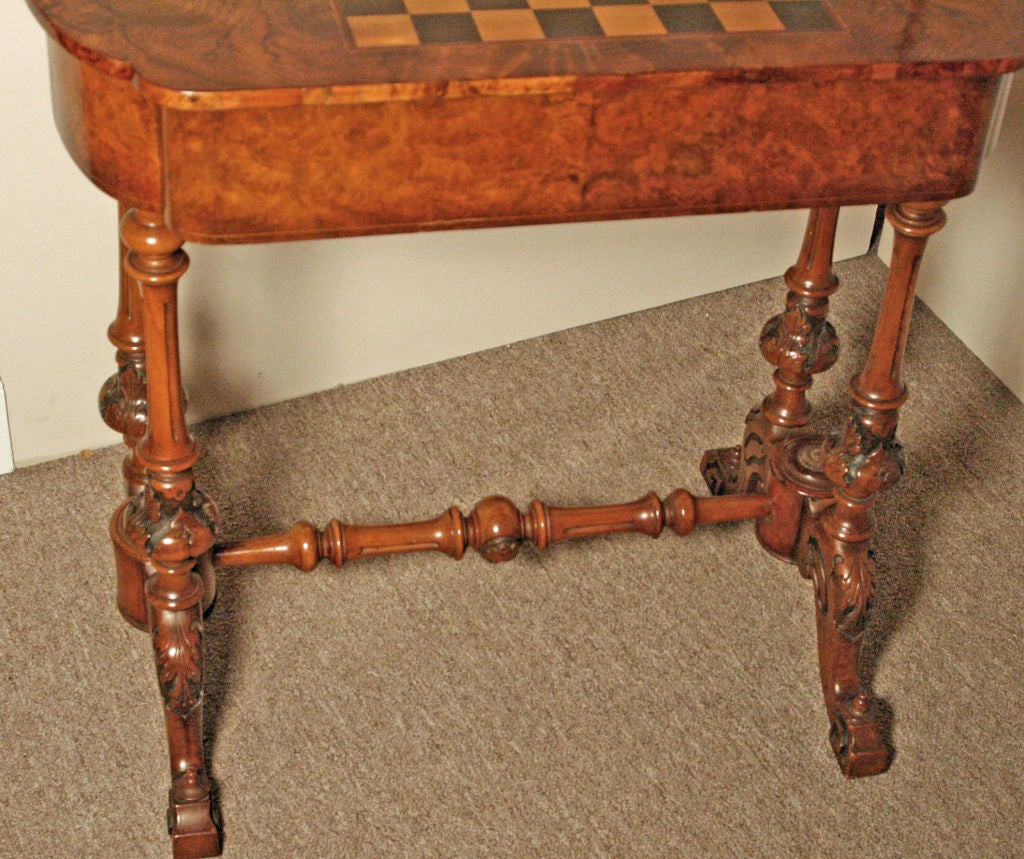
(6, 452)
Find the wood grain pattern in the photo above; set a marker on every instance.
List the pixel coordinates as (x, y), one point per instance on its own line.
(407, 153)
(593, 154)
(110, 130)
(187, 53)
(418, 146)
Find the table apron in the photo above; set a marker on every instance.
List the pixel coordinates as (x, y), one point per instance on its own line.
(303, 171)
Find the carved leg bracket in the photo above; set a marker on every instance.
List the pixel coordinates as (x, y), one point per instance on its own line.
(177, 630)
(843, 574)
(822, 491)
(720, 468)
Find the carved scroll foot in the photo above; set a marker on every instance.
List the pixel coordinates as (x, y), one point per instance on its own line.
(857, 737)
(861, 462)
(843, 576)
(194, 827)
(720, 468)
(743, 468)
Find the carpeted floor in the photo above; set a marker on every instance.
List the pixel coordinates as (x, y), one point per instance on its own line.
(621, 697)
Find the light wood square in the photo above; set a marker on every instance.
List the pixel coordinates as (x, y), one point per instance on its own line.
(380, 31)
(507, 25)
(558, 4)
(739, 15)
(629, 21)
(434, 7)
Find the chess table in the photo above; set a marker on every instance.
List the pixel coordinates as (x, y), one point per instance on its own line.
(269, 120)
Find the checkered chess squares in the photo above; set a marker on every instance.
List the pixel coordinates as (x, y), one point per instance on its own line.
(395, 23)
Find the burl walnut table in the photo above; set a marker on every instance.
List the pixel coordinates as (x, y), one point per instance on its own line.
(270, 120)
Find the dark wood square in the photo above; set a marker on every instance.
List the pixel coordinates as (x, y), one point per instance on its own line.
(484, 5)
(446, 28)
(803, 15)
(689, 18)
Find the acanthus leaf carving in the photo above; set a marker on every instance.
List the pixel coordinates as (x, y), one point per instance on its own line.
(812, 566)
(866, 458)
(852, 580)
(799, 341)
(177, 643)
(123, 402)
(171, 527)
(843, 578)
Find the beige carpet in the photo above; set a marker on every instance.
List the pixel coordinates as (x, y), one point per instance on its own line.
(620, 698)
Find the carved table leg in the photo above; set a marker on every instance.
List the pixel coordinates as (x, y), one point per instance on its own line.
(169, 526)
(123, 406)
(860, 463)
(123, 396)
(799, 343)
(822, 491)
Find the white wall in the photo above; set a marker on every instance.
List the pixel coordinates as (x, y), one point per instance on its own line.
(6, 452)
(354, 308)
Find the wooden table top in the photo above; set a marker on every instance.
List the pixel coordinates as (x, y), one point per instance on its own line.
(196, 54)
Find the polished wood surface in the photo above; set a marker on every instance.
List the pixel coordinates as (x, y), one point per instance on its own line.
(253, 120)
(516, 132)
(495, 528)
(191, 54)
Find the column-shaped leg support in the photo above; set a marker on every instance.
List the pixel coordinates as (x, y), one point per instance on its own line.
(169, 528)
(123, 396)
(123, 407)
(799, 343)
(860, 463)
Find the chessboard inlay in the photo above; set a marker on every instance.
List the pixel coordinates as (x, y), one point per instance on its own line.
(401, 23)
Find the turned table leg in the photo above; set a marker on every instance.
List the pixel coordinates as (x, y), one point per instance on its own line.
(168, 528)
(123, 396)
(861, 462)
(799, 343)
(123, 407)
